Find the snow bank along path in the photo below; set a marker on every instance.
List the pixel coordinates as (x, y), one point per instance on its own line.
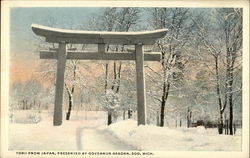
(182, 139)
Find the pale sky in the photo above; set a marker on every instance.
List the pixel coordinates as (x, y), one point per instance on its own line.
(24, 58)
(21, 35)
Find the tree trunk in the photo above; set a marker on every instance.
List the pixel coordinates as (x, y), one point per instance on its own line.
(218, 90)
(109, 117)
(71, 91)
(166, 87)
(23, 104)
(114, 81)
(231, 116)
(26, 104)
(129, 114)
(70, 107)
(82, 101)
(189, 116)
(124, 112)
(106, 77)
(220, 126)
(163, 102)
(157, 119)
(231, 101)
(234, 128)
(106, 88)
(119, 77)
(226, 127)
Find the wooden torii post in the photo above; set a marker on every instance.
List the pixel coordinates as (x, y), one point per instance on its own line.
(63, 36)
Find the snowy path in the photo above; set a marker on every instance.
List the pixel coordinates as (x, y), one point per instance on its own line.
(74, 134)
(79, 138)
(92, 139)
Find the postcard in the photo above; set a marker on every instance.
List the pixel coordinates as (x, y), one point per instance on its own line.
(125, 79)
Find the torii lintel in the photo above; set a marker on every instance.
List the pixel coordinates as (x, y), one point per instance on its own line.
(55, 35)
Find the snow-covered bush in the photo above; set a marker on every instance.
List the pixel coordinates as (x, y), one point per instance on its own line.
(111, 100)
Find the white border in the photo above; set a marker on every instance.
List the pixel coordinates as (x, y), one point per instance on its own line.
(5, 8)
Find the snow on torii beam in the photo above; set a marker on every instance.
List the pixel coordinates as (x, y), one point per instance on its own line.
(62, 36)
(55, 35)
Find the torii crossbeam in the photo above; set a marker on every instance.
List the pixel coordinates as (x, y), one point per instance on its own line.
(63, 36)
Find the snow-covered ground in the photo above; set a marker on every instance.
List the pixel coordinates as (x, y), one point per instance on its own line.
(183, 139)
(79, 133)
(31, 130)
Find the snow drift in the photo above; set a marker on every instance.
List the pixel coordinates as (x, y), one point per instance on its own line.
(163, 138)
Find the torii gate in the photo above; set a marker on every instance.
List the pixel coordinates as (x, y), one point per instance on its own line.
(63, 36)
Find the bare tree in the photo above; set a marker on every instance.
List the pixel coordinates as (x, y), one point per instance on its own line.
(222, 39)
(27, 95)
(231, 24)
(115, 19)
(172, 47)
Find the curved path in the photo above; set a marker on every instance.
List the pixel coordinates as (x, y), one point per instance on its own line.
(75, 134)
(93, 139)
